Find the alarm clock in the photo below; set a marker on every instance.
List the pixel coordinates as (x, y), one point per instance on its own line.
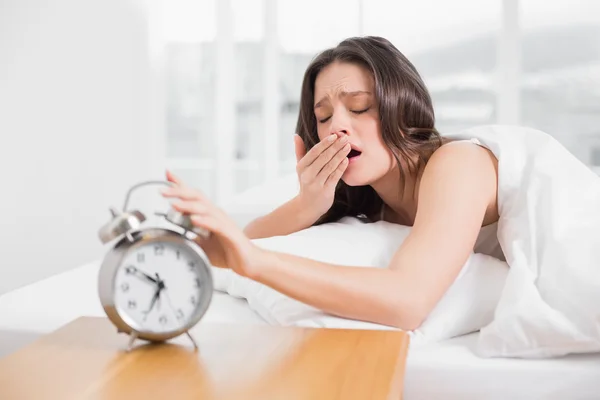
(154, 283)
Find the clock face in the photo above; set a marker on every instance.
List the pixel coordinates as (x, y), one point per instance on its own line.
(158, 287)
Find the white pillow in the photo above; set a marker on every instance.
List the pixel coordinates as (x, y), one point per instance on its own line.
(466, 307)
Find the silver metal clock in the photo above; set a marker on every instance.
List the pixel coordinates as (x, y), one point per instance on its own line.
(154, 283)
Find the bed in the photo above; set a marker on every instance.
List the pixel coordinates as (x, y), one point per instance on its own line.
(448, 369)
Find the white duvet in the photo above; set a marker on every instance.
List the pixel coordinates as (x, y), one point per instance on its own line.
(546, 304)
(549, 230)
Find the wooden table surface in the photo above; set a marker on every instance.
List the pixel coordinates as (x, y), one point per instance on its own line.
(86, 359)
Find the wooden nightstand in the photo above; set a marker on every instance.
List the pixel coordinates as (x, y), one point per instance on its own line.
(86, 359)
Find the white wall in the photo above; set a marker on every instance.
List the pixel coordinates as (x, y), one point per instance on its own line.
(80, 122)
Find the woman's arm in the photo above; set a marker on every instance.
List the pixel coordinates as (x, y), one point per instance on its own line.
(291, 217)
(457, 187)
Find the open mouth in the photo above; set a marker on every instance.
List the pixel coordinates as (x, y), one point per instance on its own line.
(353, 153)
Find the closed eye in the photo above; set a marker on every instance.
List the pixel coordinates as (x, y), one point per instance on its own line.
(360, 111)
(352, 111)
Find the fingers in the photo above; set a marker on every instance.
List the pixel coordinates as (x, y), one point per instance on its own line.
(334, 153)
(316, 151)
(174, 179)
(336, 175)
(299, 147)
(182, 192)
(333, 164)
(201, 215)
(208, 222)
(190, 201)
(190, 207)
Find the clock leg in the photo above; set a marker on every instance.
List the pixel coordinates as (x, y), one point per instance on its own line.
(132, 339)
(192, 339)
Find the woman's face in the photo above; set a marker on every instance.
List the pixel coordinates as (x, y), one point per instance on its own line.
(345, 103)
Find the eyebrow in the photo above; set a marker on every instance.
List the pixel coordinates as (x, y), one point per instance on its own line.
(344, 94)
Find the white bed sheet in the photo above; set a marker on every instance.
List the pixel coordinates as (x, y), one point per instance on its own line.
(447, 370)
(450, 370)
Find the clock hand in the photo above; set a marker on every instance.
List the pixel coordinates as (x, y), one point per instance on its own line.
(159, 282)
(140, 274)
(154, 298)
(146, 276)
(170, 303)
(160, 285)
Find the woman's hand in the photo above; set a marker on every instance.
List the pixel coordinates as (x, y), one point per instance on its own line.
(320, 170)
(227, 246)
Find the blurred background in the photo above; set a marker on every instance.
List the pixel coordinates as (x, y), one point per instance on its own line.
(98, 95)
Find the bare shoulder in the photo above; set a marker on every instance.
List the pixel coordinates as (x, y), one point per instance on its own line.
(464, 153)
(465, 167)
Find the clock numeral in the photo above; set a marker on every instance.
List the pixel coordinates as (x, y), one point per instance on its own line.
(178, 253)
(193, 300)
(141, 257)
(191, 265)
(132, 304)
(125, 287)
(163, 319)
(179, 313)
(159, 249)
(197, 282)
(130, 269)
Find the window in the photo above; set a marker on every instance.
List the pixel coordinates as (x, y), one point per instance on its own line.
(190, 31)
(192, 73)
(452, 45)
(235, 67)
(306, 28)
(560, 72)
(248, 73)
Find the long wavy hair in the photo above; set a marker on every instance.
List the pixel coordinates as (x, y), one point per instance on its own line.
(406, 116)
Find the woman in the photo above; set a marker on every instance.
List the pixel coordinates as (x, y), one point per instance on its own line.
(366, 145)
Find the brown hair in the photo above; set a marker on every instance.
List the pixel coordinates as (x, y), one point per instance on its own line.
(405, 111)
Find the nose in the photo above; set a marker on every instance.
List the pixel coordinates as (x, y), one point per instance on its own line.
(340, 123)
